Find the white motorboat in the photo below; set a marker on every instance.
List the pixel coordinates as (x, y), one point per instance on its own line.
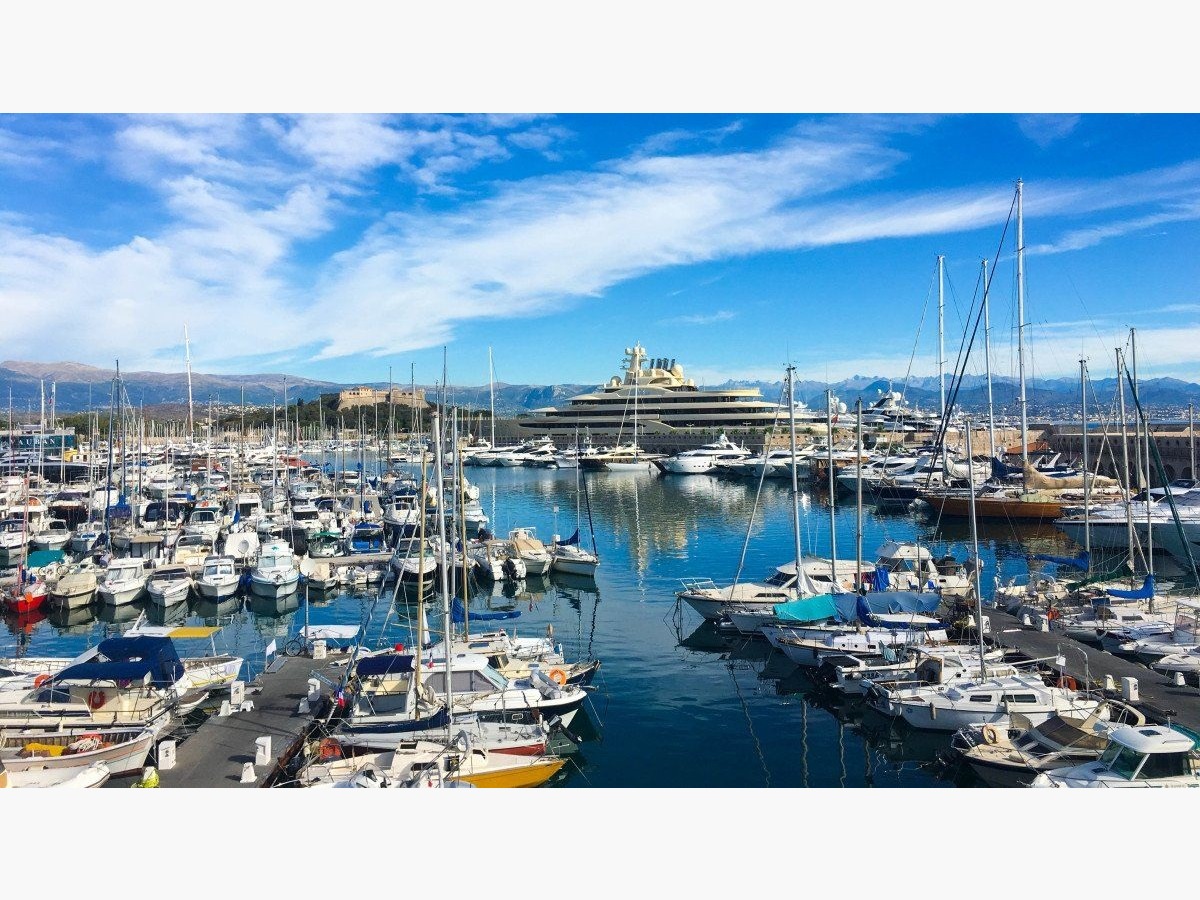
(73, 589)
(496, 561)
(275, 574)
(169, 585)
(218, 579)
(703, 459)
(1138, 756)
(414, 562)
(55, 535)
(524, 544)
(949, 707)
(52, 758)
(123, 582)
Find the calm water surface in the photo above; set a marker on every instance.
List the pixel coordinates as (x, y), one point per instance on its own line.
(676, 704)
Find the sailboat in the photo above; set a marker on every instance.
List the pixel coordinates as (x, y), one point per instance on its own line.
(568, 556)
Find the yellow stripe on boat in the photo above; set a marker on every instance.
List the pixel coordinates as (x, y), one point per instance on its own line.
(192, 631)
(517, 776)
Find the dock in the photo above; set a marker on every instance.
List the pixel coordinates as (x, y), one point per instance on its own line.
(1158, 695)
(215, 755)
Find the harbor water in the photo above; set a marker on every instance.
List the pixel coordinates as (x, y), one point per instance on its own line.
(676, 703)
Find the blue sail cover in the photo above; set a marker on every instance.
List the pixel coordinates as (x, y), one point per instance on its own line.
(810, 609)
(1082, 561)
(387, 664)
(458, 615)
(1001, 469)
(571, 541)
(1145, 592)
(921, 602)
(129, 659)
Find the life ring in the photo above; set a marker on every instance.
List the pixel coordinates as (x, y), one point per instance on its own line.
(1053, 614)
(40, 680)
(329, 749)
(989, 735)
(558, 676)
(96, 699)
(1066, 681)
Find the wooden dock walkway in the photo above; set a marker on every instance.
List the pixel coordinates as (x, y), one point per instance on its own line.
(1159, 697)
(214, 756)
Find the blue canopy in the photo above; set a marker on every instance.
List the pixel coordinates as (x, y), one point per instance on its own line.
(811, 609)
(129, 659)
(1145, 592)
(386, 664)
(1001, 469)
(571, 541)
(1082, 561)
(458, 614)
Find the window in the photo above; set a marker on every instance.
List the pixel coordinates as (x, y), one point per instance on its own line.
(1121, 760)
(1165, 765)
(1019, 698)
(980, 698)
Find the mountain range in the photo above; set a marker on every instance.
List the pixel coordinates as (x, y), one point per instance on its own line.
(78, 386)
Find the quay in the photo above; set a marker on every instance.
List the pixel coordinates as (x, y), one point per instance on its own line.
(1158, 695)
(215, 755)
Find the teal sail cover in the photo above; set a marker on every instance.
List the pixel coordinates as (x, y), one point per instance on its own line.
(810, 609)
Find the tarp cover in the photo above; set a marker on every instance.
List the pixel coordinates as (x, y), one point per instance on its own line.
(1079, 562)
(39, 558)
(458, 614)
(1145, 592)
(389, 663)
(129, 659)
(810, 609)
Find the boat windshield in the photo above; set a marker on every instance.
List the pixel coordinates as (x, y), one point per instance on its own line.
(780, 579)
(1165, 765)
(1121, 760)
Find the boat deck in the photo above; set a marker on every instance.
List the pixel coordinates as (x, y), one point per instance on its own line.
(1159, 697)
(215, 754)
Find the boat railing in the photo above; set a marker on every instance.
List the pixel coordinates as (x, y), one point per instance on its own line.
(698, 584)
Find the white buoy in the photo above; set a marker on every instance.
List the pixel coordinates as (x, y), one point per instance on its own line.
(249, 776)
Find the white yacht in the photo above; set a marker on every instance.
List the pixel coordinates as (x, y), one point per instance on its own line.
(703, 459)
(123, 582)
(169, 585)
(524, 544)
(219, 579)
(667, 401)
(1142, 756)
(276, 574)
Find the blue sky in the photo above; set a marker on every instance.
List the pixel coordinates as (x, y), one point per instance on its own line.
(337, 246)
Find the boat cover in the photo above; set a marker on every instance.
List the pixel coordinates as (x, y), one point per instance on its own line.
(1082, 561)
(390, 663)
(129, 659)
(810, 609)
(458, 614)
(1145, 592)
(571, 541)
(39, 558)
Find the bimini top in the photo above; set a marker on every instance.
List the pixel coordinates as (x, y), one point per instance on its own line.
(127, 659)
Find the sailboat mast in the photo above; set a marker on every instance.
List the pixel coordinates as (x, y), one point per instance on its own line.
(1149, 510)
(1087, 481)
(791, 371)
(858, 511)
(832, 485)
(1125, 450)
(187, 349)
(1021, 326)
(975, 560)
(987, 362)
(492, 396)
(1191, 432)
(941, 270)
(443, 569)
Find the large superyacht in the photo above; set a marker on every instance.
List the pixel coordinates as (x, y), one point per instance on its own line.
(663, 401)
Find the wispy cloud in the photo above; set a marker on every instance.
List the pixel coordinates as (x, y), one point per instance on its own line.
(239, 196)
(723, 315)
(665, 141)
(1044, 129)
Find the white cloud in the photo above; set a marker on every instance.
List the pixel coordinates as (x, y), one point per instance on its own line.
(241, 193)
(722, 315)
(1044, 129)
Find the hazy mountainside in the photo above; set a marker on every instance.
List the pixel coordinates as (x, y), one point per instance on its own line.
(76, 383)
